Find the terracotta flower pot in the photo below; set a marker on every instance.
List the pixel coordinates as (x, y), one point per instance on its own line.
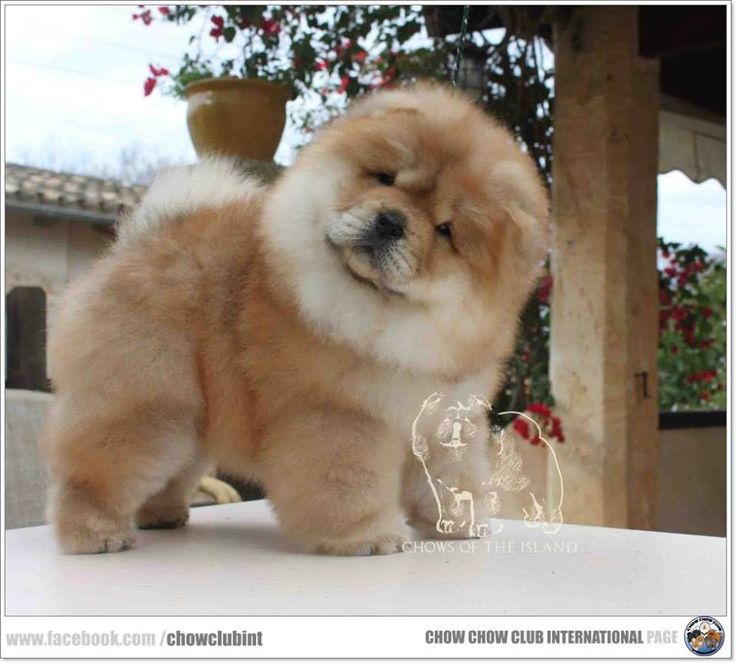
(237, 117)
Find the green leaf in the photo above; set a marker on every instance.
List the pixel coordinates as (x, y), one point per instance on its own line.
(229, 33)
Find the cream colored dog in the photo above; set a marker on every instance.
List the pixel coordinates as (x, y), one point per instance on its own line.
(291, 334)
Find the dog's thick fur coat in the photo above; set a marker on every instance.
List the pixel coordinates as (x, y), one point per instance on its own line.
(249, 327)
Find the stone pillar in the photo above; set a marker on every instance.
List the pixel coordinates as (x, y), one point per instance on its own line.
(605, 302)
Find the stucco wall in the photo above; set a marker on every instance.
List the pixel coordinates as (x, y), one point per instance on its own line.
(49, 254)
(692, 481)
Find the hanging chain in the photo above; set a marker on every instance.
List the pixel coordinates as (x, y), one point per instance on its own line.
(460, 44)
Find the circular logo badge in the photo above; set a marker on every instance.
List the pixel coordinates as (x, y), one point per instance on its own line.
(704, 636)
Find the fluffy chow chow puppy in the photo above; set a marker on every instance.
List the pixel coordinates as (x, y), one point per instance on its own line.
(291, 334)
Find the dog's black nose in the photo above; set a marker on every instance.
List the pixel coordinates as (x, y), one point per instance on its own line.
(389, 225)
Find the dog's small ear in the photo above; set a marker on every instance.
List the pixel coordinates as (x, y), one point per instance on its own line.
(527, 204)
(532, 231)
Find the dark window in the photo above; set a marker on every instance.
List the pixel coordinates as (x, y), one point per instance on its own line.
(26, 339)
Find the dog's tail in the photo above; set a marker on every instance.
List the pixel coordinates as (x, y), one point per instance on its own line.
(178, 191)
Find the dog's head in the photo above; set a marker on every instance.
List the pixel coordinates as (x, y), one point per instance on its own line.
(416, 202)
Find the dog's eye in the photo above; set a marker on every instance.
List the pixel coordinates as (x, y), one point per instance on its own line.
(386, 178)
(444, 229)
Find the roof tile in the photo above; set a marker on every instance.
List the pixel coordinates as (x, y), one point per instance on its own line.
(74, 192)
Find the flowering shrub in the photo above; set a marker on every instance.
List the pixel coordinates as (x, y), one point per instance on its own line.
(692, 343)
(692, 329)
(550, 424)
(321, 52)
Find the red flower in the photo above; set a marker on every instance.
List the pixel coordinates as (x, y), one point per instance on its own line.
(270, 27)
(536, 439)
(360, 56)
(707, 343)
(320, 65)
(556, 428)
(346, 44)
(550, 423)
(162, 71)
(521, 426)
(164, 11)
(671, 271)
(705, 396)
(344, 81)
(388, 75)
(144, 16)
(244, 23)
(698, 266)
(539, 408)
(545, 288)
(219, 23)
(707, 312)
(674, 349)
(148, 86)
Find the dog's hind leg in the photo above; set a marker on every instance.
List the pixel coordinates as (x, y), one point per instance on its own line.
(105, 467)
(169, 508)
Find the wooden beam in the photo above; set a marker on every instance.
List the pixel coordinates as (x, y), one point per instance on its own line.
(666, 30)
(605, 301)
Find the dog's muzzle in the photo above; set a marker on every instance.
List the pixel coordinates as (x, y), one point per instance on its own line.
(374, 245)
(374, 235)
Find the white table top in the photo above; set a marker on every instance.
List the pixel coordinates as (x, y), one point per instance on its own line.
(233, 560)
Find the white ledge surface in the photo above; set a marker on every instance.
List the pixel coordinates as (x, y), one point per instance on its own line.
(233, 560)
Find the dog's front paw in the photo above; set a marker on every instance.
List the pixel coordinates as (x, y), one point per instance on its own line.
(381, 544)
(82, 527)
(79, 538)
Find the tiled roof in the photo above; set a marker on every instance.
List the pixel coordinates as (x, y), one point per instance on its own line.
(92, 198)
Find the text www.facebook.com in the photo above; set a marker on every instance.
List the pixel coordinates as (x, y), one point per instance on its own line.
(115, 639)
